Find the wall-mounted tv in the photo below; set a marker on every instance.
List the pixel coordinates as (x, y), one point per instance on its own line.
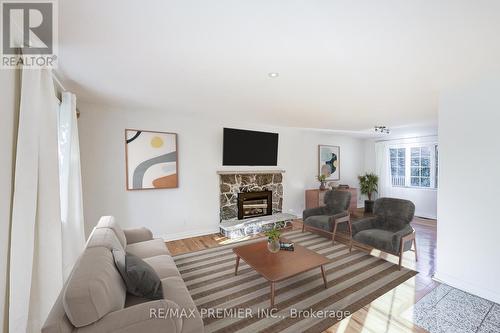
(242, 147)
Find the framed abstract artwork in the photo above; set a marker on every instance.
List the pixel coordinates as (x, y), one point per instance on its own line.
(151, 159)
(329, 161)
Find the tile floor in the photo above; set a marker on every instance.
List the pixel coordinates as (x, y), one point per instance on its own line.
(449, 310)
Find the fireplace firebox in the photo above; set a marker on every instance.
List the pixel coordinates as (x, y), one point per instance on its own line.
(252, 204)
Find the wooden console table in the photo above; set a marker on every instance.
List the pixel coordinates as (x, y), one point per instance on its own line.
(314, 198)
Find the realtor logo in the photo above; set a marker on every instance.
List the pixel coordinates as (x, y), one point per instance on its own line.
(29, 34)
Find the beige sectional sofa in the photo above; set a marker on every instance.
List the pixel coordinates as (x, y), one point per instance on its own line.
(94, 298)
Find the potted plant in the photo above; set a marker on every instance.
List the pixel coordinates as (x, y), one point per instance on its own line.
(322, 179)
(273, 240)
(368, 184)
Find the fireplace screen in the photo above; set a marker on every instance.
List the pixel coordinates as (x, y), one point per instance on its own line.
(252, 204)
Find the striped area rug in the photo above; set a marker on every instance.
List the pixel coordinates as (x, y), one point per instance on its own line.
(240, 303)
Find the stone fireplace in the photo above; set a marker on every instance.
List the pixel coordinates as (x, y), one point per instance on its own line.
(251, 202)
(231, 184)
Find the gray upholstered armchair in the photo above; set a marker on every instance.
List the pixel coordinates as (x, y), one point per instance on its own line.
(389, 230)
(326, 219)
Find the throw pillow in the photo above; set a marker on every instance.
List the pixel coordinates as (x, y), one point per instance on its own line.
(139, 277)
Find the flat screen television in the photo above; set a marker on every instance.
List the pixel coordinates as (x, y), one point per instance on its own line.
(242, 147)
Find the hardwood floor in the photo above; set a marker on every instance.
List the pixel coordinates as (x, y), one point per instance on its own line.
(383, 314)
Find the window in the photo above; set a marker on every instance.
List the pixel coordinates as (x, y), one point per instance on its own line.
(398, 166)
(414, 166)
(420, 167)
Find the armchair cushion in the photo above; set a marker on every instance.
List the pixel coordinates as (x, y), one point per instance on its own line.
(326, 222)
(377, 238)
(364, 224)
(312, 212)
(337, 201)
(394, 213)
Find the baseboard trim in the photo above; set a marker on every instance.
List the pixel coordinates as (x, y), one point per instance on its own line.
(189, 234)
(469, 287)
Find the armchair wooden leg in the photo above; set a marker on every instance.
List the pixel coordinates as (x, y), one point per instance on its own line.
(303, 226)
(333, 235)
(415, 244)
(349, 227)
(401, 251)
(408, 238)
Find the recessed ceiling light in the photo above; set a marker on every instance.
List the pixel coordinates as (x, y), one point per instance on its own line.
(273, 74)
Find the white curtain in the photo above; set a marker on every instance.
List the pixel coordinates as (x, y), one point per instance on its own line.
(73, 233)
(36, 275)
(382, 169)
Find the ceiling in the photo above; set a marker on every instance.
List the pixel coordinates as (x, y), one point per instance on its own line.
(343, 65)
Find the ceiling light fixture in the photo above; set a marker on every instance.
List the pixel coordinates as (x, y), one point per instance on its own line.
(382, 129)
(273, 74)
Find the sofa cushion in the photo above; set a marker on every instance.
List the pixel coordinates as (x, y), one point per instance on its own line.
(163, 265)
(378, 238)
(94, 288)
(140, 278)
(147, 249)
(104, 237)
(175, 290)
(109, 222)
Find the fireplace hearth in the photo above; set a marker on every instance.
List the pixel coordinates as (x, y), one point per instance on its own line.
(253, 204)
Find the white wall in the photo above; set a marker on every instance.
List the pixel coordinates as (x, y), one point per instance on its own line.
(8, 113)
(425, 200)
(468, 232)
(193, 208)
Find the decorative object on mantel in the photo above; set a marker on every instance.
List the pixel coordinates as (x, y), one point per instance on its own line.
(329, 161)
(273, 240)
(151, 159)
(322, 181)
(368, 184)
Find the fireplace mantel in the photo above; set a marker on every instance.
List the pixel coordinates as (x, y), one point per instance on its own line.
(248, 172)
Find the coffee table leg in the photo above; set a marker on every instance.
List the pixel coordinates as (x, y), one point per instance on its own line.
(324, 276)
(272, 294)
(237, 264)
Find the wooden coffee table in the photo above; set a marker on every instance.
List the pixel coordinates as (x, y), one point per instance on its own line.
(276, 267)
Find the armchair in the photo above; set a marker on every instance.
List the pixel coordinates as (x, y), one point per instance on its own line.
(326, 219)
(389, 230)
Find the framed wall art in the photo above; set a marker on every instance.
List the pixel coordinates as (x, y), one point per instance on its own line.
(151, 159)
(329, 161)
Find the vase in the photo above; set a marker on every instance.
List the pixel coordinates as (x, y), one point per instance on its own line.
(273, 245)
(322, 186)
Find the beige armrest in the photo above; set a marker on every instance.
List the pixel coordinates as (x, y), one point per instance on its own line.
(137, 235)
(151, 317)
